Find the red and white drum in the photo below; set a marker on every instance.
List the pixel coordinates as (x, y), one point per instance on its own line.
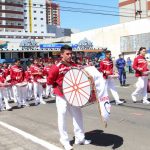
(5, 84)
(78, 87)
(21, 84)
(42, 81)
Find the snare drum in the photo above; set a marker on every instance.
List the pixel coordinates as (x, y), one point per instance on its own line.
(21, 84)
(5, 84)
(78, 85)
(41, 81)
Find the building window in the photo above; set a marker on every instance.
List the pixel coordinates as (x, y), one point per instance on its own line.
(41, 5)
(35, 25)
(25, 3)
(35, 18)
(41, 18)
(42, 32)
(25, 10)
(35, 31)
(34, 4)
(25, 17)
(34, 11)
(41, 12)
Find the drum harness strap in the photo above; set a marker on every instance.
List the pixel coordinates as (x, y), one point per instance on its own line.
(94, 88)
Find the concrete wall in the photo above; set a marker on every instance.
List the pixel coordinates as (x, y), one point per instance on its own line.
(109, 37)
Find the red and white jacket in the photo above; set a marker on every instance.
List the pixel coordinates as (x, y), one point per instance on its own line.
(56, 76)
(46, 70)
(16, 74)
(140, 65)
(106, 65)
(6, 72)
(2, 77)
(36, 69)
(28, 76)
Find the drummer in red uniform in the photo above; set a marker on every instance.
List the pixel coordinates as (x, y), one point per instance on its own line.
(37, 73)
(47, 68)
(106, 67)
(17, 75)
(3, 91)
(55, 78)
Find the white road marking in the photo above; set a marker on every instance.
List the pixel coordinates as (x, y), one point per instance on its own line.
(30, 137)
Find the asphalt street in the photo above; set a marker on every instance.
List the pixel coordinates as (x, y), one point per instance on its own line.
(128, 127)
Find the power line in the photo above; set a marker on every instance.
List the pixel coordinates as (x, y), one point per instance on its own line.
(98, 10)
(82, 10)
(89, 4)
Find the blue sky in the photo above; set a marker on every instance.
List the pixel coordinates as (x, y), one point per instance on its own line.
(82, 21)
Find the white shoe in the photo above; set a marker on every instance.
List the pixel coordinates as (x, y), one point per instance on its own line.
(26, 104)
(42, 102)
(68, 147)
(8, 108)
(119, 102)
(133, 98)
(83, 142)
(2, 109)
(146, 102)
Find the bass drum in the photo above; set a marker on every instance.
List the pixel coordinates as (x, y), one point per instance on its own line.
(78, 86)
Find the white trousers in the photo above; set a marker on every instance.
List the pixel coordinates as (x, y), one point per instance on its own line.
(141, 87)
(10, 93)
(48, 90)
(4, 94)
(38, 91)
(62, 108)
(29, 90)
(20, 94)
(111, 87)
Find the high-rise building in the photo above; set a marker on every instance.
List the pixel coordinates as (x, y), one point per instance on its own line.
(133, 9)
(52, 13)
(35, 16)
(11, 16)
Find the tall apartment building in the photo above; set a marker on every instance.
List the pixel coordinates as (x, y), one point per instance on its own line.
(35, 16)
(52, 13)
(133, 9)
(11, 16)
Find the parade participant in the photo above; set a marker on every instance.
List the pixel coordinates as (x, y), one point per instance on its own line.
(37, 73)
(120, 64)
(106, 67)
(17, 75)
(140, 66)
(6, 70)
(29, 79)
(55, 78)
(3, 91)
(129, 64)
(46, 71)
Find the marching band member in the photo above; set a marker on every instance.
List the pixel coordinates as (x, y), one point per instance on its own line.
(106, 67)
(140, 66)
(55, 78)
(29, 79)
(46, 72)
(6, 70)
(17, 76)
(3, 91)
(37, 73)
